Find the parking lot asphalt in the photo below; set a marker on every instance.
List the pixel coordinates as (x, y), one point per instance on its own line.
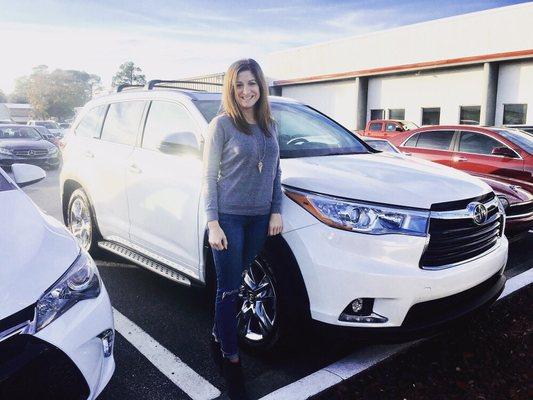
(179, 318)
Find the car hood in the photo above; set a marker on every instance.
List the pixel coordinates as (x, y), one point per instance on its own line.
(514, 190)
(35, 250)
(25, 143)
(381, 178)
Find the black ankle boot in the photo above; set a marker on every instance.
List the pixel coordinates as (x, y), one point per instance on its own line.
(234, 379)
(216, 353)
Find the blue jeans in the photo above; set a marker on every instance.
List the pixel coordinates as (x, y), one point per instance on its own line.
(246, 236)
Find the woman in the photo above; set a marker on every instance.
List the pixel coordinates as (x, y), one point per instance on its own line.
(242, 192)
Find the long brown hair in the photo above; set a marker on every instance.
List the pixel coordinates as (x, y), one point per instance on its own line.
(262, 113)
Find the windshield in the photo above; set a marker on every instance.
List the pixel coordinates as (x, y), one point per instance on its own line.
(302, 131)
(19, 132)
(382, 145)
(518, 137)
(409, 126)
(47, 124)
(4, 184)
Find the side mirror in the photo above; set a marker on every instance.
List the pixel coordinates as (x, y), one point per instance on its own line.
(503, 151)
(399, 129)
(26, 174)
(180, 143)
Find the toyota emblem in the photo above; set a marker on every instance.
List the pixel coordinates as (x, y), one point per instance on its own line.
(478, 212)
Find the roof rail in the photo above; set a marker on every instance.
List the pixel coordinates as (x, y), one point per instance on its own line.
(155, 82)
(120, 88)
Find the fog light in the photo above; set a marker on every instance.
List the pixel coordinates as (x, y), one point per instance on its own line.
(107, 337)
(357, 305)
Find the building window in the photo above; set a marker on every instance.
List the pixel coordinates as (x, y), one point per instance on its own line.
(514, 114)
(376, 114)
(431, 116)
(397, 113)
(470, 115)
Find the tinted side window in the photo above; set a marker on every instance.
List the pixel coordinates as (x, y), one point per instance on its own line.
(412, 141)
(122, 122)
(91, 124)
(163, 119)
(439, 140)
(473, 142)
(390, 127)
(375, 127)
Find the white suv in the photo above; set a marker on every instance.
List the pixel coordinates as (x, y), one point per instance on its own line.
(370, 240)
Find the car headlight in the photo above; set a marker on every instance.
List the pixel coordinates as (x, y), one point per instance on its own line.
(52, 150)
(373, 219)
(5, 151)
(80, 282)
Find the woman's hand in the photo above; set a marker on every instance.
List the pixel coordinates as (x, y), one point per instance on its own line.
(275, 226)
(217, 237)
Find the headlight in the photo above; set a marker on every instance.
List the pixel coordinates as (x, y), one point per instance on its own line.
(80, 282)
(52, 150)
(373, 219)
(5, 151)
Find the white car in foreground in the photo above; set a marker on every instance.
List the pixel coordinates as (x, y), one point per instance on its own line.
(56, 321)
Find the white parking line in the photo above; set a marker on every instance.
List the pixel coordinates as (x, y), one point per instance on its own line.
(365, 358)
(170, 365)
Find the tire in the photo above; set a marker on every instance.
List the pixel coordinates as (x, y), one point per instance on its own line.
(267, 317)
(82, 223)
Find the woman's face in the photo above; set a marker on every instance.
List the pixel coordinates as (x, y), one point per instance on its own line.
(247, 90)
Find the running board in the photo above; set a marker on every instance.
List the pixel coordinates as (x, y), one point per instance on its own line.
(144, 262)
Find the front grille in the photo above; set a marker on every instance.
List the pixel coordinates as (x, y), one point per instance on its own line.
(457, 239)
(520, 209)
(31, 368)
(449, 308)
(30, 152)
(16, 319)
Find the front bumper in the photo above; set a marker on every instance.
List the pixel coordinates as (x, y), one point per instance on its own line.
(65, 360)
(339, 266)
(39, 161)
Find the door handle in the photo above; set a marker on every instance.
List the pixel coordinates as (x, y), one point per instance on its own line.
(89, 154)
(135, 169)
(460, 159)
(408, 154)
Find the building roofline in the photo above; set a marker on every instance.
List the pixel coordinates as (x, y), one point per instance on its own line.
(445, 63)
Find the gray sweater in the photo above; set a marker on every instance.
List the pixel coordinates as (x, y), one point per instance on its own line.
(232, 182)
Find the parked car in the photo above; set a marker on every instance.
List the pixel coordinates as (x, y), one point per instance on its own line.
(52, 126)
(56, 322)
(6, 121)
(387, 128)
(516, 196)
(23, 144)
(517, 199)
(357, 248)
(64, 125)
(47, 135)
(525, 128)
(493, 151)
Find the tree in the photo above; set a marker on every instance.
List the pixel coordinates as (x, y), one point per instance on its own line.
(20, 93)
(3, 97)
(128, 73)
(57, 93)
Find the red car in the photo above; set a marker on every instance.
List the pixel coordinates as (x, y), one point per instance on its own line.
(387, 128)
(503, 152)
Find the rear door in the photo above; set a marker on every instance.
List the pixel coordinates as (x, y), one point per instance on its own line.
(164, 189)
(434, 145)
(474, 154)
(109, 158)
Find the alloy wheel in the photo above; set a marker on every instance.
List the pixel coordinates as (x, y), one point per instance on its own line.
(257, 316)
(80, 222)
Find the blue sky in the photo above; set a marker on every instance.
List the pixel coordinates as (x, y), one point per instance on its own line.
(176, 39)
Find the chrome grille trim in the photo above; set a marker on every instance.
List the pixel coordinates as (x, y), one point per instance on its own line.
(460, 214)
